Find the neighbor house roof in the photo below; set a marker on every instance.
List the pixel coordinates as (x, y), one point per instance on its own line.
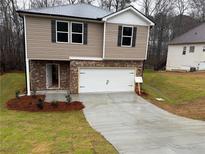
(73, 10)
(195, 35)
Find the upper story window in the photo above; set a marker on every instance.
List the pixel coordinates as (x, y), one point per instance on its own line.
(77, 32)
(184, 50)
(127, 34)
(191, 49)
(203, 48)
(62, 31)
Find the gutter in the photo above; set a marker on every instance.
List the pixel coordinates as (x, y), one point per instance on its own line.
(185, 43)
(22, 13)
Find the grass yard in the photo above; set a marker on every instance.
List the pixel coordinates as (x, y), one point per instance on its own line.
(42, 133)
(184, 93)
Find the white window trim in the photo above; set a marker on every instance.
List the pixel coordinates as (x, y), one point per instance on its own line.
(77, 32)
(126, 36)
(61, 31)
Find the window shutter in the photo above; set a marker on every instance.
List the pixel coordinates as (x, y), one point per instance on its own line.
(134, 36)
(85, 36)
(119, 36)
(53, 31)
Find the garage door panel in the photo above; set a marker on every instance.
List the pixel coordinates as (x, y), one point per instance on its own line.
(106, 80)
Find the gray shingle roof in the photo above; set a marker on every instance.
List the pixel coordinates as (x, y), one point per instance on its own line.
(74, 10)
(195, 35)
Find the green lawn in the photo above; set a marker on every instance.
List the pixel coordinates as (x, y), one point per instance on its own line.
(57, 132)
(175, 88)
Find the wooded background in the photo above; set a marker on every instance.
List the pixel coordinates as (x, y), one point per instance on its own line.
(172, 18)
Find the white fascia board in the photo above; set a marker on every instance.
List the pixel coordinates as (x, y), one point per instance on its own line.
(132, 59)
(126, 9)
(85, 58)
(48, 59)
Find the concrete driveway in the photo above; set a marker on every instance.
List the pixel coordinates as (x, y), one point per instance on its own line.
(133, 125)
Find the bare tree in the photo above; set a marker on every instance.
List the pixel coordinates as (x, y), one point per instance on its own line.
(115, 5)
(11, 38)
(180, 6)
(198, 9)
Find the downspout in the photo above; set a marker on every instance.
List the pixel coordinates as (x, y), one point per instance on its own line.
(24, 56)
(26, 59)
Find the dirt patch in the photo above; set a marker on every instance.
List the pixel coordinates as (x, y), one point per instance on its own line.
(142, 92)
(30, 103)
(195, 110)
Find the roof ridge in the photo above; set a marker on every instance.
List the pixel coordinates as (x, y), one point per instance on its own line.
(63, 5)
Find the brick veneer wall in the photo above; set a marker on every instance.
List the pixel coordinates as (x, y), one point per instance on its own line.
(75, 64)
(38, 74)
(69, 71)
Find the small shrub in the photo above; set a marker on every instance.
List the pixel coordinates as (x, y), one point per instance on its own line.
(40, 103)
(17, 94)
(68, 97)
(34, 91)
(54, 103)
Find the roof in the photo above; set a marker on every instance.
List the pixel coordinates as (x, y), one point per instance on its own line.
(195, 35)
(82, 10)
(73, 10)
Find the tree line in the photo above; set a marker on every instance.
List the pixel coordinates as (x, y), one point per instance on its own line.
(172, 18)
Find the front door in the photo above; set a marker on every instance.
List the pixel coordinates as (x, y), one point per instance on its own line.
(52, 76)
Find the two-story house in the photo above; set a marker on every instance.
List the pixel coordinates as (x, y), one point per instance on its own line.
(187, 51)
(83, 48)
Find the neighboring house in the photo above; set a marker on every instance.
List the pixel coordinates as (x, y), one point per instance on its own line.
(83, 48)
(187, 50)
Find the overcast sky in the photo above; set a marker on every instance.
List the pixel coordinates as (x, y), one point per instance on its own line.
(26, 2)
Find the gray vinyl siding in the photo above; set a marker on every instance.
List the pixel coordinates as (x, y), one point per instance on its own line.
(40, 45)
(112, 50)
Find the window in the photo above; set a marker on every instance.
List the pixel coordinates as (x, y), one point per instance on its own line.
(184, 51)
(191, 49)
(77, 32)
(203, 48)
(62, 34)
(127, 33)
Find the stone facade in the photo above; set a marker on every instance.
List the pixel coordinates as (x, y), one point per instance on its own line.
(76, 64)
(69, 71)
(38, 74)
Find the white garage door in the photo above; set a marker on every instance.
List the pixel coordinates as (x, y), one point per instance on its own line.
(106, 80)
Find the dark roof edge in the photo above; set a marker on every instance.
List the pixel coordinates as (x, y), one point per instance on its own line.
(55, 15)
(143, 14)
(181, 43)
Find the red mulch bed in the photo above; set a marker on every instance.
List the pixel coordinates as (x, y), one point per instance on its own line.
(28, 103)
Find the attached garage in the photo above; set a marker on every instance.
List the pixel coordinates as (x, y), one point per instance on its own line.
(106, 80)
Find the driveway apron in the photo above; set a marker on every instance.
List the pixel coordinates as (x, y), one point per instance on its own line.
(133, 125)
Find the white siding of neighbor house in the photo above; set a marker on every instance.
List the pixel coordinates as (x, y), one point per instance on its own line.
(177, 61)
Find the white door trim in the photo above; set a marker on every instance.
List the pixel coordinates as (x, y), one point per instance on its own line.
(58, 75)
